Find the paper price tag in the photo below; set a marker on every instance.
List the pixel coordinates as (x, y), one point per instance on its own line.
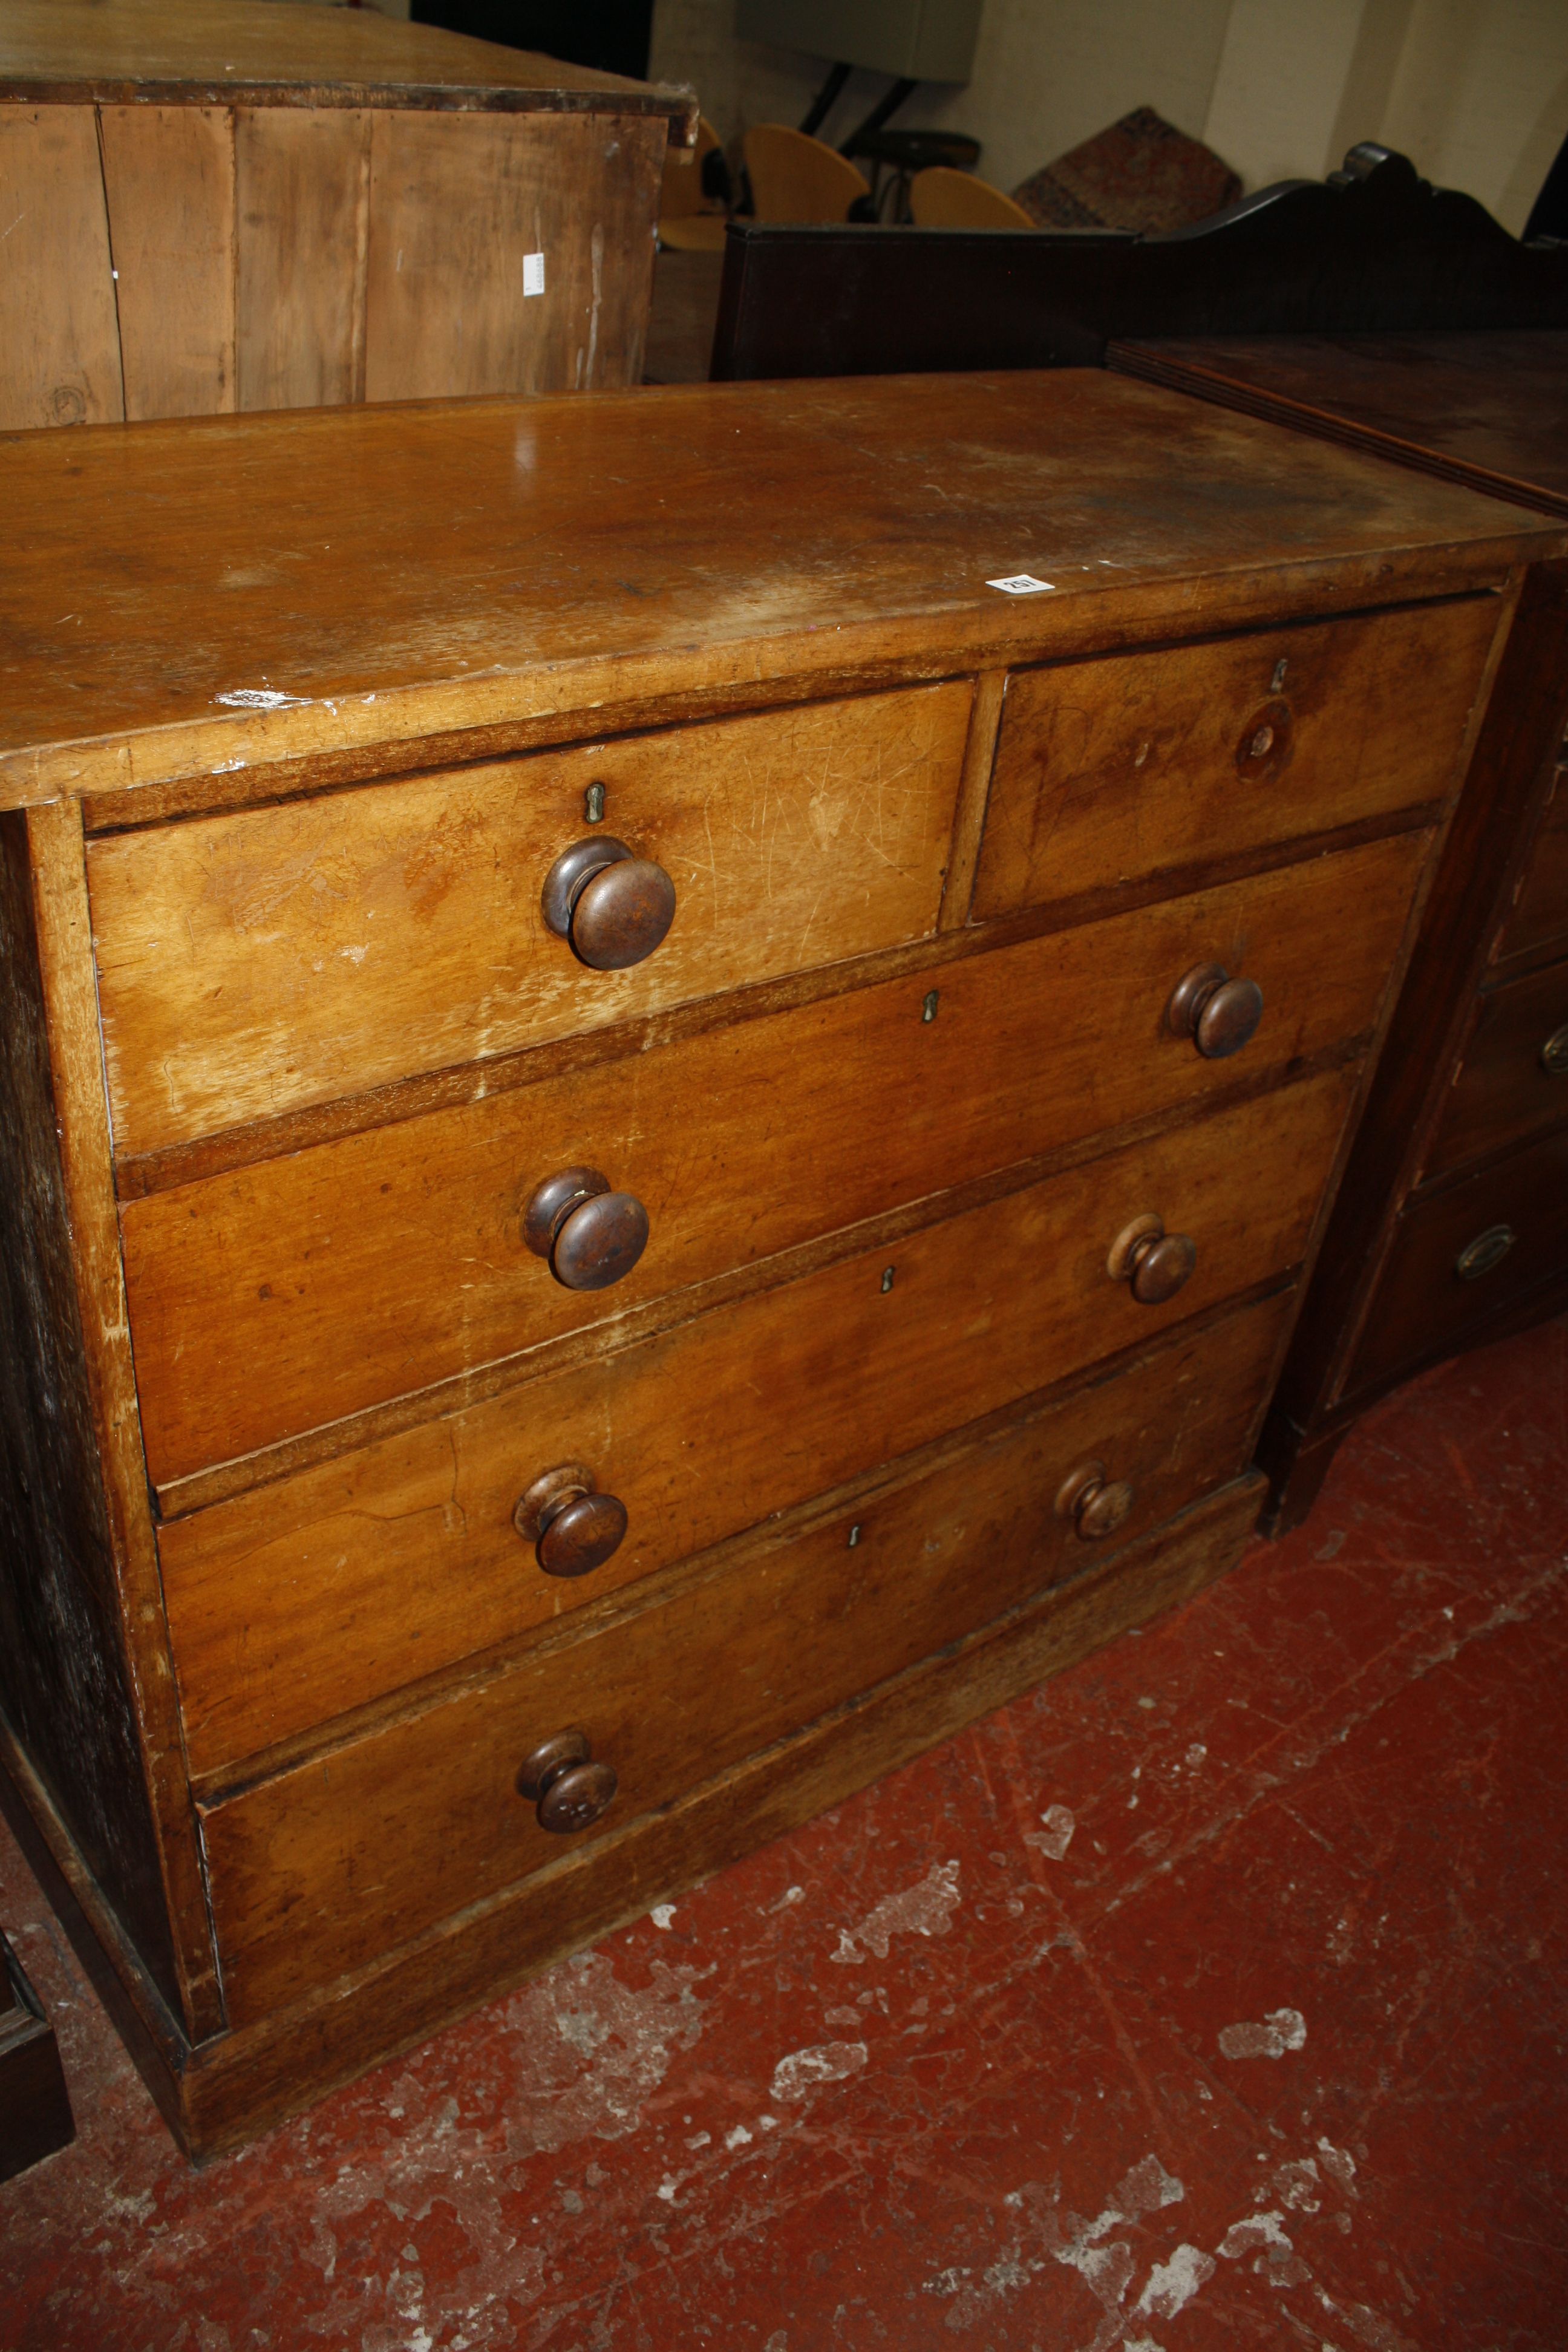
(1021, 583)
(533, 273)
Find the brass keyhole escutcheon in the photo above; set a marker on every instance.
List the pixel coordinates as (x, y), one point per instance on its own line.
(1488, 1249)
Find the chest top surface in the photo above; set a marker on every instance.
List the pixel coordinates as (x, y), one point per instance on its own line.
(183, 598)
(1489, 409)
(205, 51)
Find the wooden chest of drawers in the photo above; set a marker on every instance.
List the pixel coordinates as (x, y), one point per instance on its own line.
(663, 1126)
(1453, 1224)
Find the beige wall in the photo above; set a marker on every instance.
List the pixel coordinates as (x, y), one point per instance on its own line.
(1474, 90)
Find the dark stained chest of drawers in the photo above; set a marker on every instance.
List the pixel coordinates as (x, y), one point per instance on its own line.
(525, 1379)
(1452, 1226)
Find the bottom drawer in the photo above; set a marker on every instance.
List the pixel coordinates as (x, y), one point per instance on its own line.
(321, 1869)
(1461, 1257)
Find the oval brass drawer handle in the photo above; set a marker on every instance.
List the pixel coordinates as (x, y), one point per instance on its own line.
(1154, 1262)
(568, 1789)
(1096, 1505)
(1218, 1013)
(1554, 1052)
(573, 1527)
(588, 1235)
(1488, 1249)
(613, 907)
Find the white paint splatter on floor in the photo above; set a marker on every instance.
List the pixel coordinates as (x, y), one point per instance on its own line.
(926, 1909)
(803, 2070)
(1281, 2030)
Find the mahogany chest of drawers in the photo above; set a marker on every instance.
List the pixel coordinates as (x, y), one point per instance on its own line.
(672, 1064)
(1452, 1226)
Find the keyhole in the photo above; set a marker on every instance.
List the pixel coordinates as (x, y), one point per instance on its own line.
(1262, 743)
(594, 805)
(1277, 681)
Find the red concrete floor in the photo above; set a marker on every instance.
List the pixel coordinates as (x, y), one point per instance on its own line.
(1212, 1997)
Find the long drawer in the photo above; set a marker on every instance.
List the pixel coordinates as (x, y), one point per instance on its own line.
(1109, 770)
(1465, 1255)
(251, 963)
(271, 1301)
(1513, 1081)
(1540, 911)
(295, 1600)
(324, 1867)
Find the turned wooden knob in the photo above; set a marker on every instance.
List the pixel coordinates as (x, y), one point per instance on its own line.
(613, 906)
(569, 1791)
(589, 1235)
(573, 1527)
(1156, 1264)
(1096, 1505)
(1218, 1013)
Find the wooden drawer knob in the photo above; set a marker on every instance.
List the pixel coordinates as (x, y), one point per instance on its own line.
(569, 1791)
(613, 906)
(1554, 1052)
(1096, 1505)
(573, 1527)
(588, 1235)
(1488, 1249)
(1218, 1013)
(1155, 1263)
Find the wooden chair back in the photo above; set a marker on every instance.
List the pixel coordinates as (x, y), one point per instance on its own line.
(942, 198)
(796, 178)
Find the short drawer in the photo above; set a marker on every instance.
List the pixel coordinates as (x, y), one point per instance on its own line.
(1110, 769)
(1514, 1079)
(299, 1600)
(252, 964)
(1465, 1256)
(1540, 911)
(321, 1869)
(283, 1297)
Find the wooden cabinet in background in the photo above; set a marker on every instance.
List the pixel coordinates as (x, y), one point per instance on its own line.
(1452, 1226)
(671, 1066)
(216, 207)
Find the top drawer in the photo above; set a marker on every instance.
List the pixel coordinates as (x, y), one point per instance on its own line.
(253, 963)
(1110, 769)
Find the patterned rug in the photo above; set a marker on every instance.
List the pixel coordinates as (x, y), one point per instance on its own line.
(1142, 173)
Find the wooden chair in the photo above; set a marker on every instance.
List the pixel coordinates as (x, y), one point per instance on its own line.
(942, 198)
(690, 221)
(796, 178)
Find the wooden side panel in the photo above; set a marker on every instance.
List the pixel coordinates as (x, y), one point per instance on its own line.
(287, 1294)
(301, 1599)
(66, 1686)
(252, 964)
(301, 218)
(168, 172)
(319, 1870)
(1110, 769)
(457, 201)
(59, 337)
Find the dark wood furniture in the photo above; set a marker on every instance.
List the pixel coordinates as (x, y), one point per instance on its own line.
(36, 2116)
(1374, 248)
(211, 207)
(1452, 1226)
(653, 1157)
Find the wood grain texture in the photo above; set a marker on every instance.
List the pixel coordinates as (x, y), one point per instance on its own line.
(302, 229)
(132, 1654)
(974, 793)
(1109, 769)
(317, 1872)
(307, 1598)
(60, 354)
(1500, 1091)
(455, 206)
(1537, 916)
(287, 1294)
(248, 964)
(168, 177)
(205, 51)
(575, 556)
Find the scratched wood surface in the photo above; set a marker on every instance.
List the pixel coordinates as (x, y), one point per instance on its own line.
(303, 1600)
(667, 543)
(287, 1295)
(1109, 770)
(321, 1869)
(302, 234)
(60, 357)
(254, 962)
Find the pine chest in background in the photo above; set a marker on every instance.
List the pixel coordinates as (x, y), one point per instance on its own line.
(672, 1064)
